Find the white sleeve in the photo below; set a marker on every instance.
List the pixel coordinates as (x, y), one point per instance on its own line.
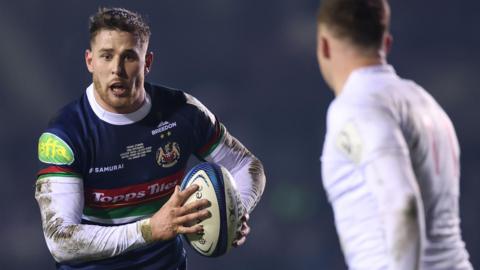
(378, 225)
(374, 194)
(246, 169)
(61, 201)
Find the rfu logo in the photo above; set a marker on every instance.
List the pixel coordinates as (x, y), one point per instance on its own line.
(168, 155)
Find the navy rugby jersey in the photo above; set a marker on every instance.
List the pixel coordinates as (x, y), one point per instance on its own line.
(129, 171)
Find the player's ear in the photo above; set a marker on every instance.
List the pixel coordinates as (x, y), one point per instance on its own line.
(88, 60)
(387, 42)
(324, 47)
(148, 62)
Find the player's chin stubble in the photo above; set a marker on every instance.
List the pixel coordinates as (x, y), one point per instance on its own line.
(102, 92)
(118, 103)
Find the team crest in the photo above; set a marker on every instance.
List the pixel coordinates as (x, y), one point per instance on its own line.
(350, 143)
(168, 155)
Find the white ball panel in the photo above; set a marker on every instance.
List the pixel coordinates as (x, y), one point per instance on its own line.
(207, 243)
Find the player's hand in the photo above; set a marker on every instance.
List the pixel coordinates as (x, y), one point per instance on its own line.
(244, 231)
(174, 217)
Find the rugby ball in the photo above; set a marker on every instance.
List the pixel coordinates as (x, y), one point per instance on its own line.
(216, 184)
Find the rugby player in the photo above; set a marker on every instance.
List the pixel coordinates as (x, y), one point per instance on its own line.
(390, 162)
(111, 161)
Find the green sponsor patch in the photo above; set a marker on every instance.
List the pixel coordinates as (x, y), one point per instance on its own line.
(53, 150)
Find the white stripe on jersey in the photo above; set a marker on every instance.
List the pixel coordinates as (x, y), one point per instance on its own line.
(113, 221)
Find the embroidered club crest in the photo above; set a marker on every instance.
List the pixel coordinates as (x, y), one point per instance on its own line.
(168, 155)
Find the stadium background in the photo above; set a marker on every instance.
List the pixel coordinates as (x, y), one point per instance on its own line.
(253, 64)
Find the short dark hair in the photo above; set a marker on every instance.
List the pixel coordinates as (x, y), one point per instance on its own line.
(362, 22)
(119, 19)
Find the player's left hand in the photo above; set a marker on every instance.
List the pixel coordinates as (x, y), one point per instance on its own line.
(244, 231)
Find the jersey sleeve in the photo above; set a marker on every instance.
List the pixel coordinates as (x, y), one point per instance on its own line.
(246, 169)
(215, 144)
(59, 192)
(208, 131)
(371, 185)
(57, 155)
(61, 201)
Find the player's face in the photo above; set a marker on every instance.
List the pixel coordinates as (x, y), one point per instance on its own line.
(118, 62)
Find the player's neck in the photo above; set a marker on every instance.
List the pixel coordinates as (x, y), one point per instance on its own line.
(347, 66)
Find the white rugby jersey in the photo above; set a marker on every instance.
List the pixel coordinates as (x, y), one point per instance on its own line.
(390, 167)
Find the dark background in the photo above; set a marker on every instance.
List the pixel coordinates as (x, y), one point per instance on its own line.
(253, 64)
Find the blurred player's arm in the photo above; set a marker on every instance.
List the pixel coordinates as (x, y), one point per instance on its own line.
(399, 205)
(380, 221)
(61, 201)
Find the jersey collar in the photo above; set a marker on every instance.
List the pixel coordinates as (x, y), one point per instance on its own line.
(365, 74)
(117, 118)
(373, 69)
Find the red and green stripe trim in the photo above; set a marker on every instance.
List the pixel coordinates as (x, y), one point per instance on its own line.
(129, 211)
(56, 171)
(208, 148)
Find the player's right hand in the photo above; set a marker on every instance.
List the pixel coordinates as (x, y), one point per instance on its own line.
(174, 217)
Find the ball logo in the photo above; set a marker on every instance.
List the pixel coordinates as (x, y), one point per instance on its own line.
(199, 194)
(168, 155)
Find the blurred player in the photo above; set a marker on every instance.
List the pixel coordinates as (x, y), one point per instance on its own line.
(390, 161)
(110, 162)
